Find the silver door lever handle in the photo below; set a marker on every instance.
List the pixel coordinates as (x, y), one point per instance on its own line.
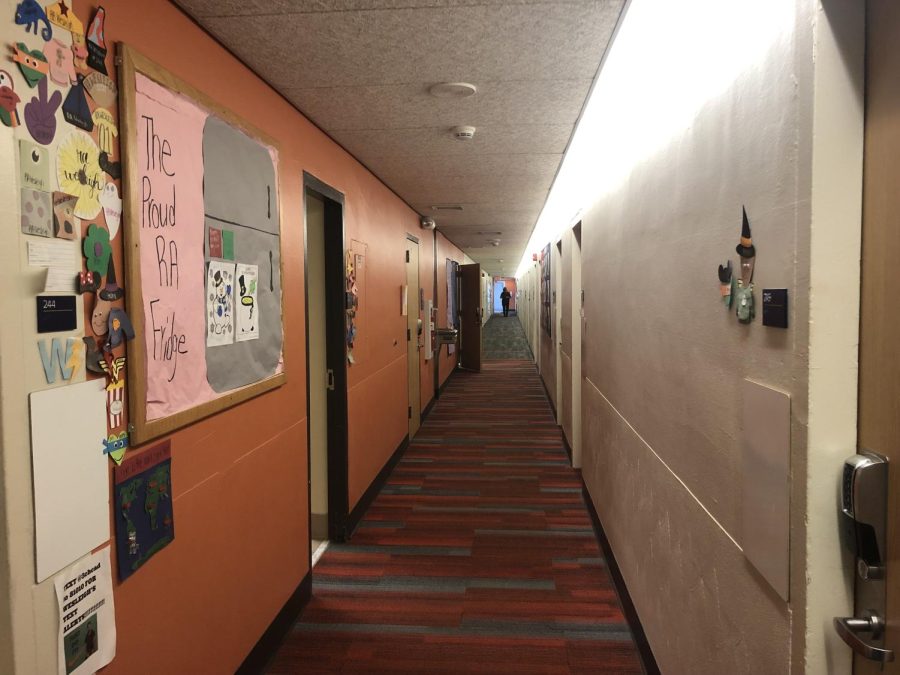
(849, 628)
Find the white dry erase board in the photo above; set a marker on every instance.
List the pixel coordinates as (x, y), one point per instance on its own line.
(202, 250)
(70, 473)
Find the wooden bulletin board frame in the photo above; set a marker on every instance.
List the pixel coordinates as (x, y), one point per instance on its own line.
(141, 429)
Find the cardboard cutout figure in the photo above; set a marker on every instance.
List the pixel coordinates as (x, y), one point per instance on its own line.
(726, 283)
(744, 295)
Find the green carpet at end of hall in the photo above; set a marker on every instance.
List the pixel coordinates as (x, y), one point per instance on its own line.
(504, 338)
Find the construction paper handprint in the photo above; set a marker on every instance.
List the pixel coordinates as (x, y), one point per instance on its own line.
(40, 114)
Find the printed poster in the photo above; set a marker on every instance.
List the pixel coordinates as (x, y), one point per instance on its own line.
(144, 515)
(219, 304)
(247, 307)
(87, 617)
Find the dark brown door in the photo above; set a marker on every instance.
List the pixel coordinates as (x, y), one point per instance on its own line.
(879, 363)
(470, 314)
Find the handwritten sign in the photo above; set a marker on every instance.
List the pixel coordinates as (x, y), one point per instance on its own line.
(170, 162)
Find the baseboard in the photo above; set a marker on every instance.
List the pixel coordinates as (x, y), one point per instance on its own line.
(374, 488)
(566, 445)
(271, 640)
(428, 408)
(634, 622)
(547, 394)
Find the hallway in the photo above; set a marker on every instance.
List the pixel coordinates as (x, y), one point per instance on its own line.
(477, 556)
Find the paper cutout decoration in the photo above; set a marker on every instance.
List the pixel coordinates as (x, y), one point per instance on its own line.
(9, 99)
(726, 282)
(58, 280)
(215, 243)
(40, 114)
(112, 366)
(112, 208)
(113, 169)
(87, 282)
(36, 213)
(120, 328)
(97, 251)
(92, 356)
(746, 250)
(100, 316)
(102, 89)
(247, 307)
(228, 244)
(64, 356)
(106, 129)
(145, 520)
(96, 42)
(79, 53)
(115, 403)
(61, 62)
(34, 166)
(219, 304)
(115, 445)
(62, 14)
(80, 175)
(32, 63)
(112, 291)
(76, 110)
(66, 225)
(30, 14)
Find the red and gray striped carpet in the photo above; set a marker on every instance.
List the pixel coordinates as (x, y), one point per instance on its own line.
(478, 556)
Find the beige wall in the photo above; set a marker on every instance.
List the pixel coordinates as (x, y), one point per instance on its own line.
(663, 360)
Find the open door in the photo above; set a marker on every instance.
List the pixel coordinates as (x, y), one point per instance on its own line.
(470, 314)
(413, 333)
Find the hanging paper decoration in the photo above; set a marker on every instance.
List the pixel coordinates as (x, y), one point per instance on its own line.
(102, 89)
(97, 252)
(80, 175)
(60, 62)
(112, 208)
(79, 53)
(112, 366)
(726, 283)
(32, 63)
(744, 293)
(96, 43)
(112, 291)
(93, 356)
(76, 110)
(115, 445)
(112, 169)
(115, 402)
(106, 129)
(40, 114)
(62, 14)
(100, 316)
(30, 14)
(351, 299)
(66, 225)
(120, 328)
(9, 99)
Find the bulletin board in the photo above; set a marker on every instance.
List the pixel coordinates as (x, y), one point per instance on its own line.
(202, 249)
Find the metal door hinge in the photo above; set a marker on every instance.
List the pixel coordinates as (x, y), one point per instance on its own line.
(329, 379)
(408, 335)
(409, 413)
(407, 256)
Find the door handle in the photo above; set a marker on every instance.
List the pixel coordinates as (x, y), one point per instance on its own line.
(849, 628)
(329, 379)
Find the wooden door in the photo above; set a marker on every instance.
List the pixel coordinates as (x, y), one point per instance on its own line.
(879, 364)
(413, 333)
(470, 314)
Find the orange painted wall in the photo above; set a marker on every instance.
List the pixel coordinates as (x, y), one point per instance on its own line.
(445, 249)
(240, 477)
(426, 281)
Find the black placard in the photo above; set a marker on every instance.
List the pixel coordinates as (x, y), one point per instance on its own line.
(775, 307)
(56, 313)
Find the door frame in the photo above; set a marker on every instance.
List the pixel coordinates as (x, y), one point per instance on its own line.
(336, 358)
(412, 300)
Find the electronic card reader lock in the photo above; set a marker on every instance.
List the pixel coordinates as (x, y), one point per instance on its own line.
(863, 504)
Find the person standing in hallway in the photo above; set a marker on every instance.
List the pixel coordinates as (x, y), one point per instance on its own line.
(504, 300)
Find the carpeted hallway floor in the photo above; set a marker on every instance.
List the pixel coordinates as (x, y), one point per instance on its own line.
(502, 337)
(478, 556)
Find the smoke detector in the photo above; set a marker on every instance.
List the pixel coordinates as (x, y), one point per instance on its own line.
(452, 90)
(463, 133)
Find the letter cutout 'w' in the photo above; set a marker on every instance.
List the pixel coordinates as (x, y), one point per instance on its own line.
(60, 357)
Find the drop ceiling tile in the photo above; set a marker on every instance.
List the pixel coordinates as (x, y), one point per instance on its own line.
(414, 166)
(437, 142)
(407, 106)
(220, 8)
(470, 43)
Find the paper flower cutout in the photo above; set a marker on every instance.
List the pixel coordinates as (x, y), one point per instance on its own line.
(79, 174)
(96, 249)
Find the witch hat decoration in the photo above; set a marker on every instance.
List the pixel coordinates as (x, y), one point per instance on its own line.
(112, 291)
(746, 249)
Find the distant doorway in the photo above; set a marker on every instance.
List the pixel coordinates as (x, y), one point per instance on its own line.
(499, 284)
(326, 363)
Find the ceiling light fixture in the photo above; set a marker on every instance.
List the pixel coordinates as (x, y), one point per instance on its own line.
(452, 90)
(447, 207)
